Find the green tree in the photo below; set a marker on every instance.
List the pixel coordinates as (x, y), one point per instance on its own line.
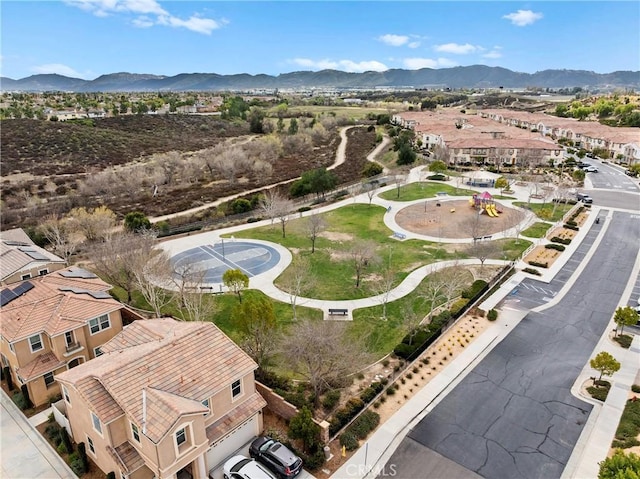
(256, 321)
(256, 120)
(562, 110)
(578, 175)
(236, 281)
(136, 221)
(605, 364)
(406, 155)
(303, 427)
(240, 205)
(371, 169)
(280, 125)
(502, 183)
(620, 466)
(319, 181)
(438, 166)
(625, 316)
(293, 126)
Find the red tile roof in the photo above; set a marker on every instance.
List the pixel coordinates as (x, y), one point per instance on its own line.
(177, 364)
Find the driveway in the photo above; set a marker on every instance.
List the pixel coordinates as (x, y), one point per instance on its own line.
(513, 416)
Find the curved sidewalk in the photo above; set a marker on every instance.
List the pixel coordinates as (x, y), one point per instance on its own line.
(25, 453)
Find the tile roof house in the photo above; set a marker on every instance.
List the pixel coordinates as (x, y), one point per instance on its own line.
(165, 397)
(55, 322)
(21, 259)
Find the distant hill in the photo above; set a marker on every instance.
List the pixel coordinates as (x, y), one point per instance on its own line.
(476, 76)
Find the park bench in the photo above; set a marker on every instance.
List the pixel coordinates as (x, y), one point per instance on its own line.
(399, 235)
(338, 311)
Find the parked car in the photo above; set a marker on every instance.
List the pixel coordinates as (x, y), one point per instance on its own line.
(240, 467)
(276, 456)
(591, 169)
(584, 198)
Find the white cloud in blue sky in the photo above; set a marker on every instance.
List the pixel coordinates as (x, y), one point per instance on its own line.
(394, 40)
(144, 9)
(417, 63)
(344, 65)
(522, 18)
(58, 68)
(457, 48)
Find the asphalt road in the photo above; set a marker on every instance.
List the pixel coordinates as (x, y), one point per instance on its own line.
(513, 416)
(610, 177)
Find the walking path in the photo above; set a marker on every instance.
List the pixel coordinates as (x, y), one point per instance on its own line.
(25, 453)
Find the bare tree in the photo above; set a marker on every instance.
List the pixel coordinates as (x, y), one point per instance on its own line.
(185, 276)
(484, 249)
(117, 260)
(518, 216)
(411, 321)
(476, 227)
(314, 225)
(322, 353)
(62, 235)
(399, 180)
(433, 290)
(298, 278)
(282, 210)
(197, 305)
(362, 254)
(455, 279)
(269, 202)
(385, 283)
(370, 189)
(153, 281)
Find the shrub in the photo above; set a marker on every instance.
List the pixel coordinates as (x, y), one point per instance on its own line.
(52, 430)
(25, 393)
(82, 452)
(315, 460)
(624, 340)
(349, 441)
(475, 288)
(457, 305)
(64, 436)
(20, 401)
(76, 464)
(492, 315)
(364, 424)
(372, 391)
(635, 388)
(600, 390)
(538, 264)
(571, 227)
(62, 449)
(272, 380)
(50, 418)
(557, 247)
(391, 391)
(343, 415)
(253, 220)
(330, 399)
(532, 271)
(302, 209)
(385, 363)
(557, 239)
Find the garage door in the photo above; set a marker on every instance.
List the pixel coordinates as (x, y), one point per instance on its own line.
(233, 441)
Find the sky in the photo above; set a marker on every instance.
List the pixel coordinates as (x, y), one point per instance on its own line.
(88, 38)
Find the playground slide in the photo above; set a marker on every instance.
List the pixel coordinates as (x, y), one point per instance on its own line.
(493, 210)
(490, 211)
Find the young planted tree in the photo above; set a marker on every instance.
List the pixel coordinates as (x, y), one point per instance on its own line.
(298, 278)
(153, 281)
(362, 253)
(62, 235)
(315, 224)
(625, 316)
(605, 364)
(96, 224)
(483, 250)
(136, 221)
(303, 427)
(236, 281)
(433, 290)
(196, 305)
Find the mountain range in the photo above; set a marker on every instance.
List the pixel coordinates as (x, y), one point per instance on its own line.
(476, 76)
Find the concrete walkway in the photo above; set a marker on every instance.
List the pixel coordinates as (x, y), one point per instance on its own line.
(25, 453)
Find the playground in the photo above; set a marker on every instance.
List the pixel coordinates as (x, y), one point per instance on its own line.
(452, 219)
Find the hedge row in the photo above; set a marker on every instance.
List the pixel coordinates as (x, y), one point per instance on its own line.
(345, 414)
(372, 391)
(539, 265)
(571, 227)
(360, 429)
(475, 288)
(532, 271)
(557, 247)
(557, 239)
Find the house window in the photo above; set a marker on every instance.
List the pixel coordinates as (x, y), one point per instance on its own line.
(92, 448)
(11, 348)
(42, 272)
(236, 389)
(25, 276)
(99, 324)
(181, 436)
(96, 423)
(65, 394)
(35, 342)
(97, 352)
(135, 432)
(48, 379)
(205, 403)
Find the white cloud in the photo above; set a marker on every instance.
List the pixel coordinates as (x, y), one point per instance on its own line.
(457, 48)
(522, 18)
(493, 54)
(58, 68)
(146, 10)
(343, 65)
(417, 63)
(413, 44)
(394, 40)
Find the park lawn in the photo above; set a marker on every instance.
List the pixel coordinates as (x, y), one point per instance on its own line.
(546, 211)
(537, 230)
(331, 265)
(512, 248)
(420, 190)
(502, 197)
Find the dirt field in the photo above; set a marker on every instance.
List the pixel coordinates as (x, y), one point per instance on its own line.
(453, 219)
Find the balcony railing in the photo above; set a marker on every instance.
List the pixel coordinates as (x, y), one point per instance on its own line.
(72, 347)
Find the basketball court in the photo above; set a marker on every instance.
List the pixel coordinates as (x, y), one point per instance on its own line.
(212, 260)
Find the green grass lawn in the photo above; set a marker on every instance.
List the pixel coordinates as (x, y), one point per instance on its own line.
(547, 211)
(419, 190)
(537, 230)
